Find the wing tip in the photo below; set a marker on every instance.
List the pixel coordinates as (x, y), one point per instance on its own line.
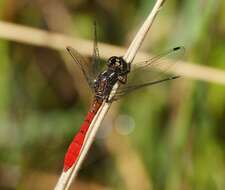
(179, 48)
(175, 77)
(68, 48)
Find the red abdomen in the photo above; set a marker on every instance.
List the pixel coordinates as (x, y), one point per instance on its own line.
(77, 143)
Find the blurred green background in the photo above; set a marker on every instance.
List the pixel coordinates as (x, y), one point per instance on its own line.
(174, 136)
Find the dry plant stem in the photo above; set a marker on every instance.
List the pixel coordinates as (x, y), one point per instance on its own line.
(136, 43)
(128, 57)
(37, 37)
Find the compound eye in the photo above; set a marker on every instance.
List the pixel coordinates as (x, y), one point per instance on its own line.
(112, 60)
(120, 63)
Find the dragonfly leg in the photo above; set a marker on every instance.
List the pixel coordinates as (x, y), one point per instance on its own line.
(111, 100)
(123, 79)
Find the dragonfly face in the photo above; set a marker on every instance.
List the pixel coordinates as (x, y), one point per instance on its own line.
(118, 65)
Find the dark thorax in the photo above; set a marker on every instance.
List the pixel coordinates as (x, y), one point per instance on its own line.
(117, 71)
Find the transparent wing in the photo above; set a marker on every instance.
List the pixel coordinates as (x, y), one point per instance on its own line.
(96, 56)
(78, 58)
(122, 92)
(150, 72)
(159, 60)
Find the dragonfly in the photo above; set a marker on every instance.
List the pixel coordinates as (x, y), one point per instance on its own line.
(101, 82)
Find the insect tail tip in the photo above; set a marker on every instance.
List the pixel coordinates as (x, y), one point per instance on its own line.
(65, 168)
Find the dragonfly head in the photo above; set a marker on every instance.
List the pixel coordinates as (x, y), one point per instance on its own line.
(117, 64)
